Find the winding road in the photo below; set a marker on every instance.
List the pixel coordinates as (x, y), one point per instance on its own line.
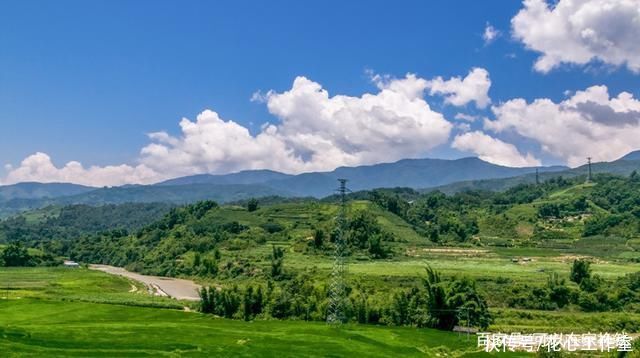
(165, 286)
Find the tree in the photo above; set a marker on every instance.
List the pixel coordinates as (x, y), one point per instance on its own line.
(558, 291)
(448, 302)
(247, 304)
(16, 255)
(549, 210)
(434, 236)
(201, 208)
(318, 238)
(470, 305)
(399, 309)
(207, 266)
(208, 299)
(376, 250)
(252, 302)
(580, 271)
(364, 232)
(252, 205)
(361, 228)
(277, 258)
(231, 301)
(442, 316)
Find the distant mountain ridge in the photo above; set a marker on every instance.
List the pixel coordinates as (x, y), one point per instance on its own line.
(446, 175)
(243, 177)
(635, 155)
(31, 190)
(621, 166)
(413, 173)
(174, 194)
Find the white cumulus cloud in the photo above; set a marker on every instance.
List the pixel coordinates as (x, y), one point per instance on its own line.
(580, 31)
(493, 150)
(38, 167)
(461, 91)
(490, 34)
(465, 117)
(590, 123)
(314, 131)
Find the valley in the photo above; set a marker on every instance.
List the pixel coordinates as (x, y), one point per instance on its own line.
(320, 179)
(559, 256)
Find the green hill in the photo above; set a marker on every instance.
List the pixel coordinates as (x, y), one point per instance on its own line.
(624, 166)
(63, 224)
(560, 213)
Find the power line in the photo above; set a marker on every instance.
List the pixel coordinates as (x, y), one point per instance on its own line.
(337, 287)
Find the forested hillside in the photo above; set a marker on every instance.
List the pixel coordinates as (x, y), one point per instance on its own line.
(63, 225)
(624, 166)
(558, 213)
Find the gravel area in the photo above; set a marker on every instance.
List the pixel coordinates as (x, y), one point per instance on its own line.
(165, 286)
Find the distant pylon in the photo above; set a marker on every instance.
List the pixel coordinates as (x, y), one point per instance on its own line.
(337, 287)
(589, 177)
(537, 177)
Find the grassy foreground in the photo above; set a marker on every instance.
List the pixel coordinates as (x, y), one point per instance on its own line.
(48, 328)
(48, 312)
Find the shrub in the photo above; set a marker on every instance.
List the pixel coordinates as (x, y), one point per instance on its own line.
(580, 270)
(252, 205)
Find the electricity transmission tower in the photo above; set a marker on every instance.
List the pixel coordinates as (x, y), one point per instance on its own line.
(337, 289)
(589, 164)
(537, 177)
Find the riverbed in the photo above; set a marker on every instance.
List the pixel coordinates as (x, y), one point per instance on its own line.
(177, 288)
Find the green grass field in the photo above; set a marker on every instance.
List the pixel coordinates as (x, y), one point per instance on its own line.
(477, 263)
(84, 285)
(79, 312)
(49, 328)
(67, 312)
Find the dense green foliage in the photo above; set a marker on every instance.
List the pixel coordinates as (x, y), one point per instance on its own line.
(17, 255)
(252, 205)
(439, 303)
(580, 271)
(168, 194)
(54, 224)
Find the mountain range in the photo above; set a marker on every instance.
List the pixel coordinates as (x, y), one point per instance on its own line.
(412, 173)
(446, 175)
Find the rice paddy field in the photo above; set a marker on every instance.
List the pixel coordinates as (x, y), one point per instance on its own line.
(80, 312)
(49, 312)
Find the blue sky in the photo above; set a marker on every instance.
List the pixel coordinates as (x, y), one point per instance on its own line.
(88, 80)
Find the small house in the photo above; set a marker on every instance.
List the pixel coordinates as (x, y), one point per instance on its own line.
(69, 263)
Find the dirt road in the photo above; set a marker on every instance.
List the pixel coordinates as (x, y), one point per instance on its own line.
(165, 286)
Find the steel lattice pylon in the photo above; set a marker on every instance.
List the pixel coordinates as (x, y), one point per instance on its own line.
(337, 289)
